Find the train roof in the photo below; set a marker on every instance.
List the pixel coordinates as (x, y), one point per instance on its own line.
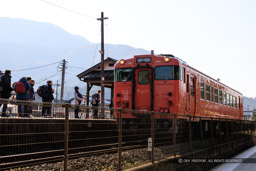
(183, 62)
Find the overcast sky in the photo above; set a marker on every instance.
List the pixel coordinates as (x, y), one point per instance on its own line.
(216, 37)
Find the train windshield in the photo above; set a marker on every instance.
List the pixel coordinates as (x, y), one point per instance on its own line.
(167, 72)
(124, 74)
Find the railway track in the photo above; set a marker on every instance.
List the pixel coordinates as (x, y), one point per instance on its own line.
(84, 141)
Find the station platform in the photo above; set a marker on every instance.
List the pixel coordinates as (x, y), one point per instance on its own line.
(245, 161)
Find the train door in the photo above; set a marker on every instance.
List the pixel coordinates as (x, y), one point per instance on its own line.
(188, 95)
(142, 89)
(192, 94)
(240, 108)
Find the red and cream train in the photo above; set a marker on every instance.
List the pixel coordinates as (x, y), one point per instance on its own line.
(167, 84)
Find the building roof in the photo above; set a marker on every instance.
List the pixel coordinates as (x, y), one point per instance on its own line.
(93, 74)
(95, 67)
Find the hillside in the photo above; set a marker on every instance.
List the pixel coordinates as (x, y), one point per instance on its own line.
(27, 44)
(249, 103)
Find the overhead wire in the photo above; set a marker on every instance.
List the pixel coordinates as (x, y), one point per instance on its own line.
(35, 67)
(96, 46)
(50, 3)
(45, 79)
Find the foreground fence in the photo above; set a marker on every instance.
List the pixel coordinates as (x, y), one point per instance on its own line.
(110, 144)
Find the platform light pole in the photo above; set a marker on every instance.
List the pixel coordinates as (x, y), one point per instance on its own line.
(102, 64)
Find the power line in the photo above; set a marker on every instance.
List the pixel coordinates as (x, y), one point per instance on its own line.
(68, 10)
(35, 67)
(45, 79)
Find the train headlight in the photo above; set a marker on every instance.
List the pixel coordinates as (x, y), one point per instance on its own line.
(121, 62)
(166, 59)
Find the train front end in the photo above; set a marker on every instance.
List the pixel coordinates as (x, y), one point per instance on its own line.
(147, 83)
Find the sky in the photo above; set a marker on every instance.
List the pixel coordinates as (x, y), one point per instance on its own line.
(217, 37)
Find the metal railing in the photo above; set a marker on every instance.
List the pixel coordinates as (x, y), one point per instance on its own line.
(115, 144)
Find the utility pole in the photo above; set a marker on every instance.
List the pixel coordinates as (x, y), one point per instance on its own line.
(62, 79)
(57, 85)
(102, 63)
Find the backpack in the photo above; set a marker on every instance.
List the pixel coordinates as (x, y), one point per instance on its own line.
(41, 90)
(20, 88)
(94, 101)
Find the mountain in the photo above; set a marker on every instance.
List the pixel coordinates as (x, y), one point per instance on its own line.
(249, 103)
(28, 44)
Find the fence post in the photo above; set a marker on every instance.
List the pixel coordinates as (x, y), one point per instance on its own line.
(254, 129)
(212, 129)
(120, 134)
(190, 134)
(240, 130)
(244, 127)
(232, 129)
(227, 128)
(235, 129)
(201, 131)
(220, 128)
(248, 128)
(66, 137)
(152, 135)
(251, 128)
(174, 135)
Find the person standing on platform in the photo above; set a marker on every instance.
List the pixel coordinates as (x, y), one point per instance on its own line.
(7, 89)
(47, 97)
(78, 99)
(95, 102)
(31, 96)
(22, 89)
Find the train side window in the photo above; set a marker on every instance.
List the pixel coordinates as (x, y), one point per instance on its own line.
(231, 100)
(187, 83)
(212, 94)
(216, 95)
(192, 86)
(202, 90)
(208, 92)
(220, 97)
(143, 77)
(239, 105)
(224, 98)
(228, 101)
(236, 102)
(184, 75)
(181, 74)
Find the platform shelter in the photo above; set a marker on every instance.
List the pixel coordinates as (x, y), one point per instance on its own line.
(92, 76)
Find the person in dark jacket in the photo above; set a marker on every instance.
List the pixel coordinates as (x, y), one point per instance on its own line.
(32, 91)
(95, 102)
(47, 97)
(24, 97)
(31, 95)
(7, 89)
